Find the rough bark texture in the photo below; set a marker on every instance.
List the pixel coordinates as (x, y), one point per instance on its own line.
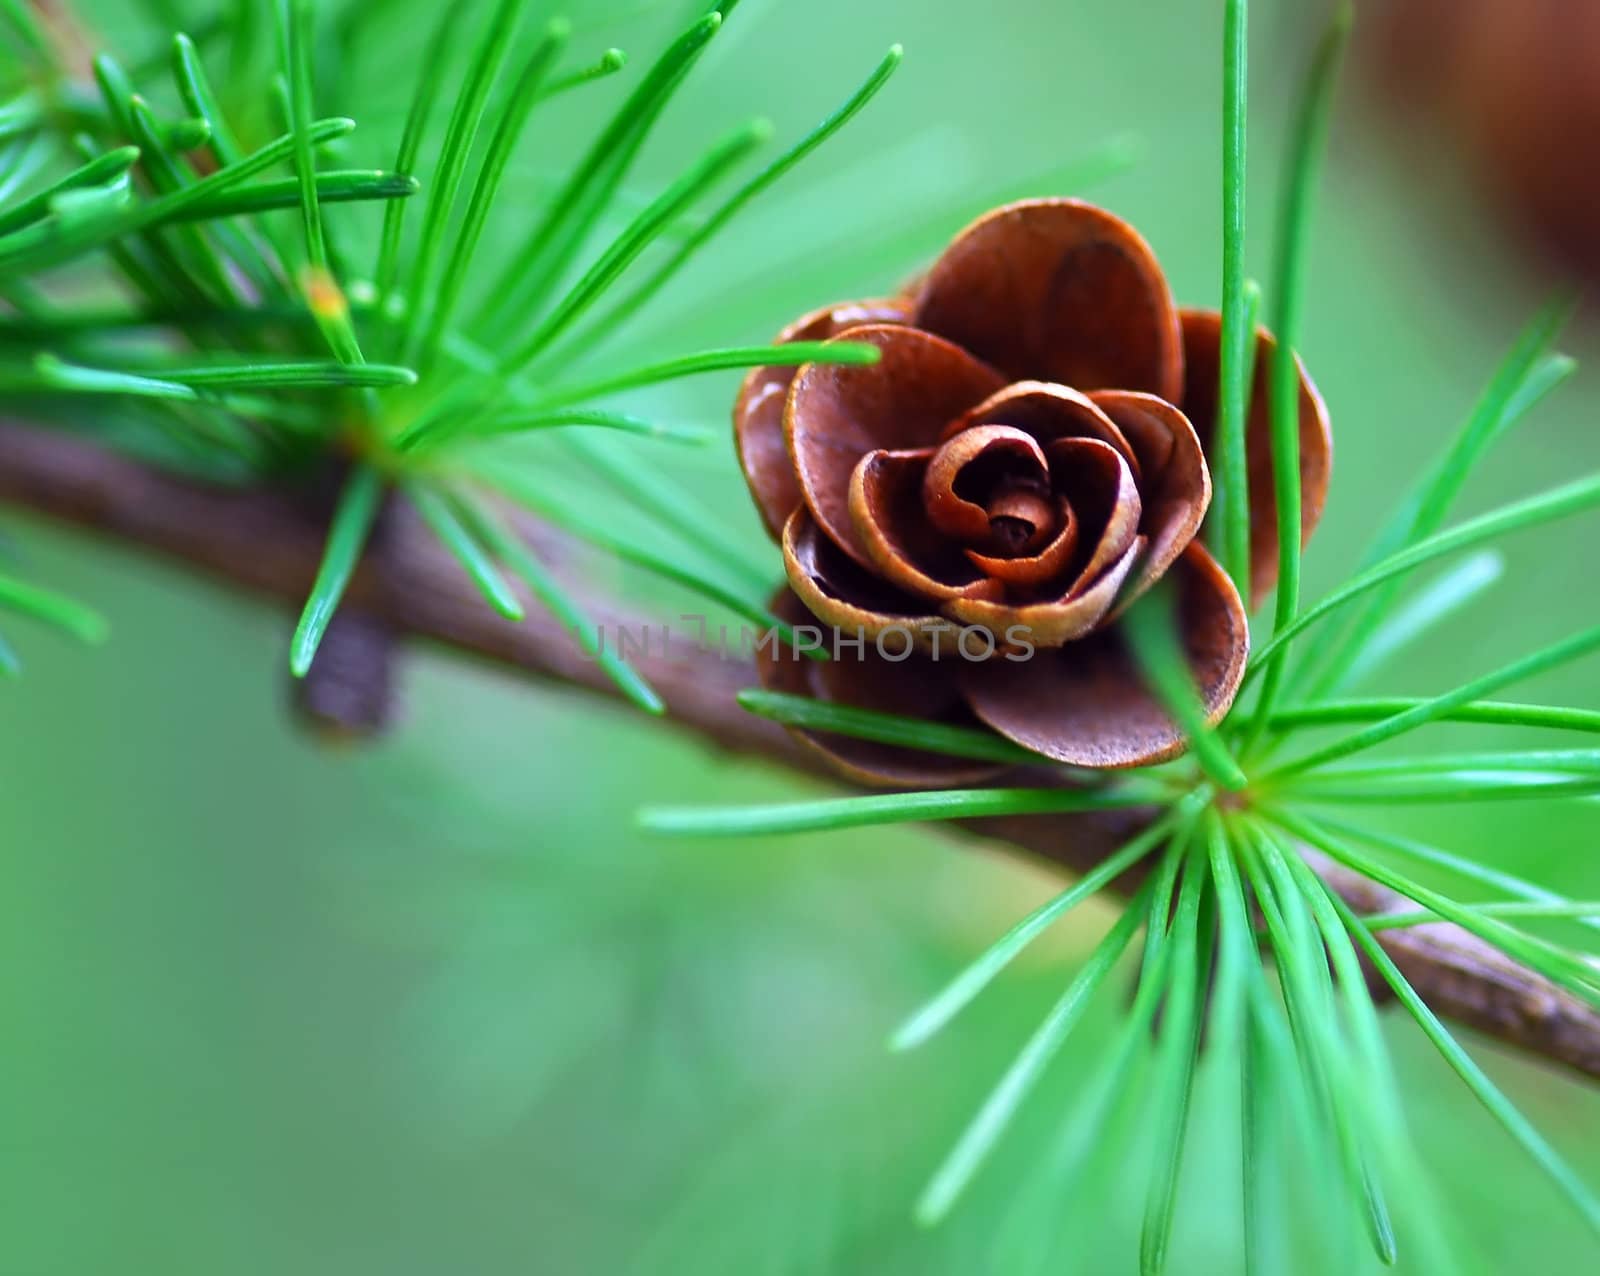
(263, 541)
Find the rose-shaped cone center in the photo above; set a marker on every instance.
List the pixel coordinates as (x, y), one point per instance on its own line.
(1027, 514)
(1020, 519)
(989, 488)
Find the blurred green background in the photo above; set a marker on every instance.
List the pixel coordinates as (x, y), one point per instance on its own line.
(434, 1006)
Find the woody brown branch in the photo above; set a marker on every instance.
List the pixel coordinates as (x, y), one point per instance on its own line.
(260, 539)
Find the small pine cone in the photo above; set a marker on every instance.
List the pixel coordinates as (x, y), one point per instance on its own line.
(1027, 457)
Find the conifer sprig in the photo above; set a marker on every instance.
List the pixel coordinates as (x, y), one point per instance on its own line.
(191, 270)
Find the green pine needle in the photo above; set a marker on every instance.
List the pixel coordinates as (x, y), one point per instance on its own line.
(1152, 635)
(1583, 761)
(452, 415)
(639, 235)
(96, 172)
(1319, 1036)
(1238, 329)
(1238, 957)
(1304, 169)
(882, 259)
(192, 248)
(678, 513)
(508, 129)
(1460, 866)
(881, 808)
(1565, 969)
(54, 373)
(465, 119)
(20, 17)
(50, 608)
(352, 521)
(1578, 910)
(333, 186)
(510, 549)
(979, 1138)
(25, 159)
(932, 1017)
(1490, 712)
(1550, 372)
(635, 301)
(1114, 1094)
(609, 63)
(1541, 661)
(441, 519)
(520, 422)
(1472, 787)
(551, 244)
(587, 527)
(1351, 985)
(47, 243)
(441, 46)
(1177, 1051)
(887, 728)
(791, 355)
(307, 374)
(195, 88)
(329, 310)
(1500, 1107)
(1415, 618)
(1260, 1076)
(1524, 377)
(1372, 1074)
(1561, 502)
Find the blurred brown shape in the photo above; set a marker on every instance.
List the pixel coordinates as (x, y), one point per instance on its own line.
(1514, 85)
(1026, 458)
(348, 695)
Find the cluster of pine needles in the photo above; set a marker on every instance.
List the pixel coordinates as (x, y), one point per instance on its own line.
(239, 344)
(178, 279)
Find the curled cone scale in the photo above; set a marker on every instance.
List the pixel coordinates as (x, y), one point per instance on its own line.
(1029, 455)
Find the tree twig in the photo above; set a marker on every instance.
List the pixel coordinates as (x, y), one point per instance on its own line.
(262, 540)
